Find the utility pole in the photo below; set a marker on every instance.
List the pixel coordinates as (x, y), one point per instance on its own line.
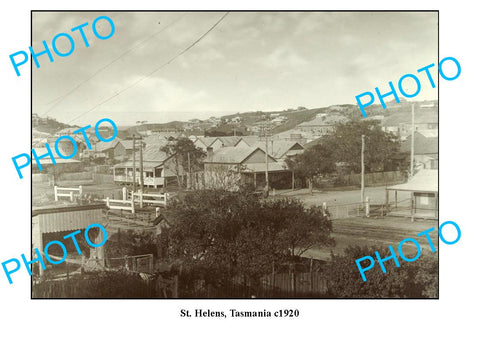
(412, 147)
(189, 184)
(266, 157)
(134, 166)
(141, 166)
(362, 188)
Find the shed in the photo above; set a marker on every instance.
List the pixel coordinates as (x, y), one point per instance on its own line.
(423, 187)
(64, 219)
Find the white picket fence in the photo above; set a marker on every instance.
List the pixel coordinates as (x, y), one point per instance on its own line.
(129, 199)
(153, 199)
(120, 204)
(67, 192)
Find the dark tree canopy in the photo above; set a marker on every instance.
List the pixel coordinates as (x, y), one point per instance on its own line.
(185, 155)
(231, 234)
(346, 145)
(417, 279)
(317, 160)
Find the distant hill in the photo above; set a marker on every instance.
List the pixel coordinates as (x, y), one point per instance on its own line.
(50, 125)
(291, 118)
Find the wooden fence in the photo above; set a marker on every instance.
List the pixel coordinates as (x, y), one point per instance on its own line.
(374, 178)
(152, 199)
(310, 284)
(120, 204)
(67, 192)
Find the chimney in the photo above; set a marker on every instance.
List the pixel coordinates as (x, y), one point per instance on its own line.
(209, 152)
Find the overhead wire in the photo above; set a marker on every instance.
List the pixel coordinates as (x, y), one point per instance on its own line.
(59, 99)
(155, 70)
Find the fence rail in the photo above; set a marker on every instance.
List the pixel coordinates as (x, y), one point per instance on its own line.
(60, 192)
(120, 204)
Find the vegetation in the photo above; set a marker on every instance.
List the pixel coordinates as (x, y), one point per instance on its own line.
(131, 242)
(343, 146)
(221, 235)
(186, 157)
(417, 279)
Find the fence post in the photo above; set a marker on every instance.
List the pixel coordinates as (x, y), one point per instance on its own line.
(367, 206)
(108, 202)
(133, 202)
(55, 191)
(324, 207)
(141, 198)
(80, 190)
(71, 196)
(124, 193)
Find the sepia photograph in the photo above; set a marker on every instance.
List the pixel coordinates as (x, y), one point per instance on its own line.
(234, 155)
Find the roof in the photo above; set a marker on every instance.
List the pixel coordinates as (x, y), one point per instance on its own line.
(250, 140)
(426, 180)
(160, 139)
(68, 218)
(261, 167)
(324, 120)
(147, 165)
(48, 161)
(152, 152)
(103, 146)
(422, 117)
(280, 148)
(232, 155)
(128, 144)
(429, 133)
(207, 141)
(229, 140)
(422, 145)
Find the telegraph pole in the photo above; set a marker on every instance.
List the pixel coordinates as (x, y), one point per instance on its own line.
(266, 157)
(141, 166)
(362, 188)
(134, 166)
(189, 184)
(412, 147)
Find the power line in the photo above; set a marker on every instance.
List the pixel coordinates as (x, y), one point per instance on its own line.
(59, 99)
(155, 70)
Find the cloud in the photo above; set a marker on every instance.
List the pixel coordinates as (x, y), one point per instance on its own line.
(285, 59)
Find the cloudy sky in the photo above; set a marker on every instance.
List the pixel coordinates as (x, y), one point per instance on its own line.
(249, 61)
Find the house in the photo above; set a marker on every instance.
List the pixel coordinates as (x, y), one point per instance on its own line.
(216, 142)
(281, 149)
(123, 150)
(53, 223)
(231, 167)
(60, 165)
(321, 125)
(423, 188)
(204, 142)
(158, 169)
(105, 149)
(425, 148)
(401, 123)
(248, 141)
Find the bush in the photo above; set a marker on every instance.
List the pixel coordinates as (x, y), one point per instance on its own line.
(113, 284)
(417, 279)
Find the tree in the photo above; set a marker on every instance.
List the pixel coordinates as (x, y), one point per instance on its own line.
(318, 160)
(185, 156)
(345, 144)
(230, 234)
(417, 279)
